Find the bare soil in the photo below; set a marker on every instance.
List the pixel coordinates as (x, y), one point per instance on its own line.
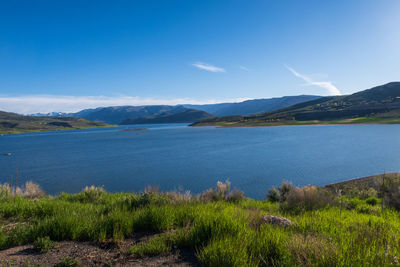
(94, 254)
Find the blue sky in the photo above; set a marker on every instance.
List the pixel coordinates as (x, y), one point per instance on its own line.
(68, 55)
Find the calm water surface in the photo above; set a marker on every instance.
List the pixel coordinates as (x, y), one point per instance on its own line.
(175, 156)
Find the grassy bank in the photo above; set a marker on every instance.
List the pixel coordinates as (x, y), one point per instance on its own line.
(3, 132)
(222, 227)
(260, 123)
(11, 123)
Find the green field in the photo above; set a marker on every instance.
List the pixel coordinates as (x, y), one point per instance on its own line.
(249, 123)
(222, 228)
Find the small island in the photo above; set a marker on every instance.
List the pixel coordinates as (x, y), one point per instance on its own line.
(135, 129)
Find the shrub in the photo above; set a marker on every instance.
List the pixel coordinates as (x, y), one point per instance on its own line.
(308, 198)
(43, 244)
(33, 190)
(285, 190)
(209, 195)
(221, 192)
(178, 197)
(372, 201)
(235, 196)
(353, 203)
(280, 194)
(274, 194)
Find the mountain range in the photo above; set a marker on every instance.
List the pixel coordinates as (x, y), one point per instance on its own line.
(380, 103)
(181, 113)
(255, 106)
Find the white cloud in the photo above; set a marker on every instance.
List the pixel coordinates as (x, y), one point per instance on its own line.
(244, 68)
(208, 67)
(48, 103)
(326, 85)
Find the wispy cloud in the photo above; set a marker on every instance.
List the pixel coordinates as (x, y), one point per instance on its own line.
(326, 85)
(208, 67)
(244, 68)
(48, 103)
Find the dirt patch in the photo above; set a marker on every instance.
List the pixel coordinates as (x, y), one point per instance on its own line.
(93, 254)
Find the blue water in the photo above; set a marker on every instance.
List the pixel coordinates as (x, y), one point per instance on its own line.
(175, 156)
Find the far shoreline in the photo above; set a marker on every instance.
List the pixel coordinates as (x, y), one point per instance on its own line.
(300, 123)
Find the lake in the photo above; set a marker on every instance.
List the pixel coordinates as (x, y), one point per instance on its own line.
(176, 157)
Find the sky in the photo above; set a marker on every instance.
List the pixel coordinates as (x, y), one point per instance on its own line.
(70, 55)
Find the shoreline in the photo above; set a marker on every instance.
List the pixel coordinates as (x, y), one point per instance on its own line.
(51, 130)
(292, 124)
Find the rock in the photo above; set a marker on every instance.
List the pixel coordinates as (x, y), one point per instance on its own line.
(276, 220)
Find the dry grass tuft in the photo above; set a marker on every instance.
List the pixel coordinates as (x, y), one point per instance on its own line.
(33, 190)
(29, 190)
(222, 192)
(306, 250)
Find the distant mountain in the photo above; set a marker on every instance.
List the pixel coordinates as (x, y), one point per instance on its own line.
(186, 115)
(381, 102)
(116, 115)
(255, 106)
(119, 114)
(50, 114)
(14, 123)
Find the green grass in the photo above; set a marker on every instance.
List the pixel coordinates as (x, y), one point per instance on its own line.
(255, 122)
(43, 244)
(222, 233)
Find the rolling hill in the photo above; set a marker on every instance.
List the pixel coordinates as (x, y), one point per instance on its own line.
(378, 104)
(15, 123)
(116, 115)
(254, 106)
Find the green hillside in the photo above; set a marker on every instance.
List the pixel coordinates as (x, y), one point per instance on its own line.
(380, 104)
(15, 123)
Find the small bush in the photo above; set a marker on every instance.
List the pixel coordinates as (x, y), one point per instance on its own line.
(68, 262)
(221, 192)
(33, 190)
(279, 194)
(43, 244)
(274, 194)
(353, 203)
(235, 196)
(372, 201)
(308, 198)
